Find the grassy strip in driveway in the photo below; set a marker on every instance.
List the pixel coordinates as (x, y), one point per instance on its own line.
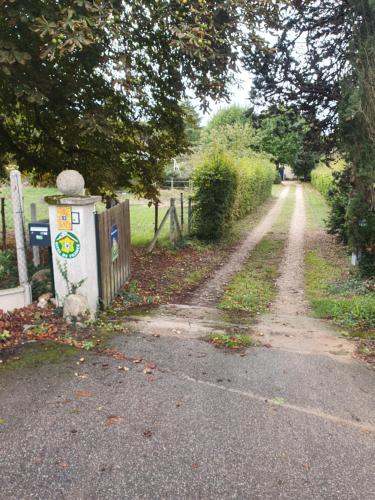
(334, 288)
(253, 289)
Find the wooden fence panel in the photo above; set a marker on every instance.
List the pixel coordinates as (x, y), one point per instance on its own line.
(114, 251)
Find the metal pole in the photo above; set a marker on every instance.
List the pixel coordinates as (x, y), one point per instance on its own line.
(36, 254)
(189, 214)
(171, 222)
(156, 217)
(3, 222)
(16, 193)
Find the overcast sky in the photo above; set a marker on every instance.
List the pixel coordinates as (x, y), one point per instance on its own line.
(239, 95)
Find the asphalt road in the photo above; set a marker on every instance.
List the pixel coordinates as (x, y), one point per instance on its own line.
(205, 424)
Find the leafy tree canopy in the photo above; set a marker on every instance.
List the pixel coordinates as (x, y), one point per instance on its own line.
(228, 116)
(96, 85)
(322, 61)
(289, 138)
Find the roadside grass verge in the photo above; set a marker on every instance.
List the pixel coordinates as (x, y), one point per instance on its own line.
(316, 208)
(334, 288)
(339, 294)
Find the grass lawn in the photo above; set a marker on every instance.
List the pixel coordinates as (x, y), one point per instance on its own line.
(141, 216)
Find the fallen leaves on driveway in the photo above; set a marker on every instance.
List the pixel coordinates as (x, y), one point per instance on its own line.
(83, 394)
(113, 419)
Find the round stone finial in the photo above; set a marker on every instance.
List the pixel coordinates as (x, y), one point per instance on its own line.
(70, 182)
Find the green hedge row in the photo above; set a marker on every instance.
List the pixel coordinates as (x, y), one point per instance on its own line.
(322, 180)
(228, 189)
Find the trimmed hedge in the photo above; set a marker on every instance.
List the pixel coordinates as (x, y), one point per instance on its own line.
(227, 189)
(215, 182)
(322, 180)
(255, 178)
(322, 176)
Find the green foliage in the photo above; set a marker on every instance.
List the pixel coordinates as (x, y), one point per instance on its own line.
(4, 335)
(277, 178)
(231, 341)
(8, 269)
(345, 300)
(215, 182)
(239, 139)
(287, 136)
(71, 286)
(333, 183)
(255, 176)
(191, 123)
(322, 180)
(280, 135)
(231, 115)
(253, 288)
(88, 345)
(227, 189)
(97, 86)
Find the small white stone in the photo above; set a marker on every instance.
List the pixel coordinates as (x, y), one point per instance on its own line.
(76, 306)
(70, 183)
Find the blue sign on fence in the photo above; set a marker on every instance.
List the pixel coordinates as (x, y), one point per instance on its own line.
(114, 242)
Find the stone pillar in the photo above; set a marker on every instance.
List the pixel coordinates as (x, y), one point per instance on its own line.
(73, 241)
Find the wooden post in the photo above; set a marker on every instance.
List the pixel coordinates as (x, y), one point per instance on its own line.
(190, 206)
(172, 222)
(3, 224)
(156, 217)
(158, 232)
(182, 210)
(36, 255)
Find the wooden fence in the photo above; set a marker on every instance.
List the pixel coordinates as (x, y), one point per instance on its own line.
(114, 251)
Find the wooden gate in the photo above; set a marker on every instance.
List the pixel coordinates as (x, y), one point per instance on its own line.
(114, 251)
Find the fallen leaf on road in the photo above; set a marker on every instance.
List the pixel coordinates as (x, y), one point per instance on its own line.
(83, 394)
(63, 465)
(2, 421)
(278, 401)
(150, 366)
(113, 419)
(137, 360)
(147, 433)
(194, 466)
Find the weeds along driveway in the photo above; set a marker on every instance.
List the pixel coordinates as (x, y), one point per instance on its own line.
(167, 415)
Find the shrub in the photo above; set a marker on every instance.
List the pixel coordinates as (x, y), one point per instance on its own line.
(215, 181)
(227, 189)
(322, 180)
(255, 177)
